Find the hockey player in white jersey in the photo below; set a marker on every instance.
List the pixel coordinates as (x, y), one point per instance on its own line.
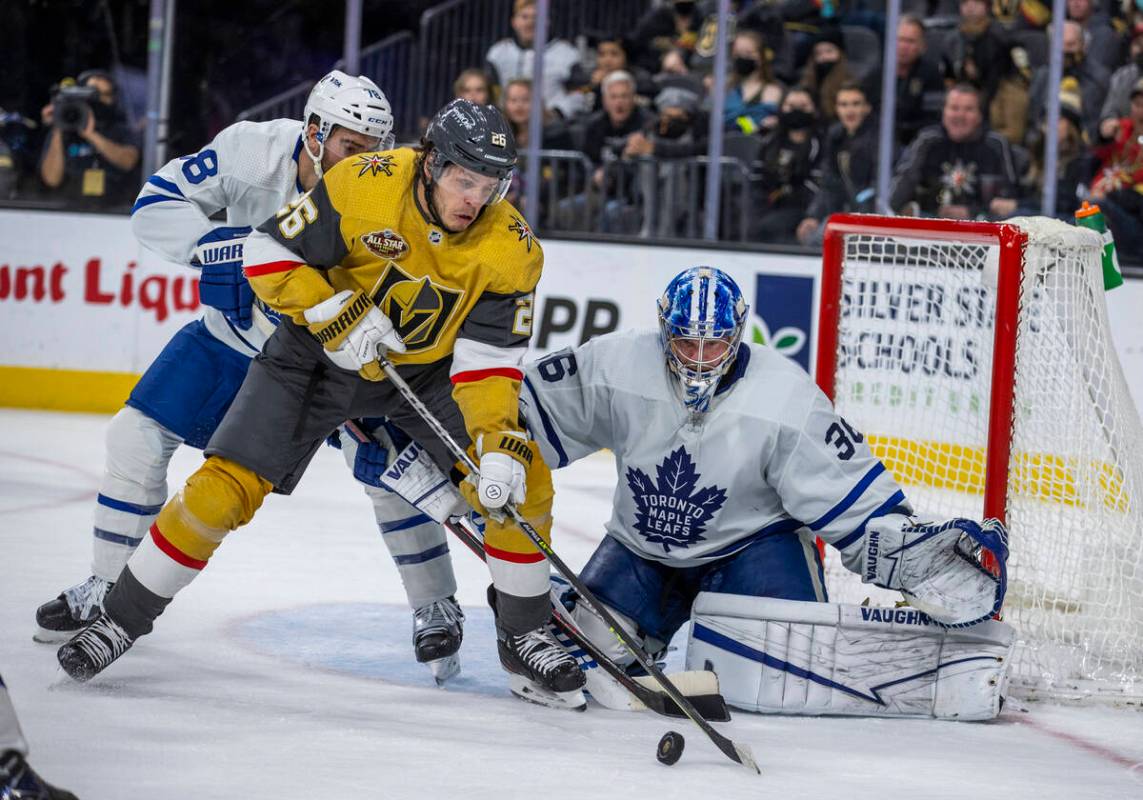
(250, 171)
(730, 461)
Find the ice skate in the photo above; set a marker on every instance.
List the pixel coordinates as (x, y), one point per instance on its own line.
(18, 781)
(60, 619)
(541, 671)
(94, 648)
(438, 629)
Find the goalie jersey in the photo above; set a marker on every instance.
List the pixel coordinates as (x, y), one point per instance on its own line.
(770, 456)
(249, 171)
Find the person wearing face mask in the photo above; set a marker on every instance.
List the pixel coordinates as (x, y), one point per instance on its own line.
(1117, 104)
(1091, 76)
(786, 170)
(753, 97)
(827, 70)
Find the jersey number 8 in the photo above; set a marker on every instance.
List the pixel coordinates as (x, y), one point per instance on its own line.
(199, 167)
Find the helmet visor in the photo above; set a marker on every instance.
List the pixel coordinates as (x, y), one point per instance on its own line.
(462, 182)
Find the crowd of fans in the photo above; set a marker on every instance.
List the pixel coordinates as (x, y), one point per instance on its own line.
(627, 117)
(802, 104)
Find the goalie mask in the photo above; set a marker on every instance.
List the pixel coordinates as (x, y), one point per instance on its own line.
(701, 318)
(353, 103)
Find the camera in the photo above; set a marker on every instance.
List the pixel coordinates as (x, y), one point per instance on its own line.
(71, 106)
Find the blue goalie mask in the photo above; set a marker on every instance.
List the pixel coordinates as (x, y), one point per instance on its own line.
(701, 318)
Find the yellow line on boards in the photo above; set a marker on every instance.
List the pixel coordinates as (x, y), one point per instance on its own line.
(64, 389)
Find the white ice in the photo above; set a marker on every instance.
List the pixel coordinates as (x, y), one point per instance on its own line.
(286, 671)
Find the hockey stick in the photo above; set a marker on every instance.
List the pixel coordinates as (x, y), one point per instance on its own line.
(735, 752)
(711, 706)
(694, 685)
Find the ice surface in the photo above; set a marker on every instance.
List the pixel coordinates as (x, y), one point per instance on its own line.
(286, 671)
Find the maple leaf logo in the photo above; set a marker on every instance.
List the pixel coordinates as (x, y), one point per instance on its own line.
(668, 510)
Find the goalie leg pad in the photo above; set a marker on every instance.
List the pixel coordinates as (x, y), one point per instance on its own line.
(790, 657)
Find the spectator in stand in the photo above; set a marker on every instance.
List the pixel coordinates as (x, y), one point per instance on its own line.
(1089, 74)
(473, 85)
(786, 170)
(90, 156)
(919, 84)
(607, 130)
(665, 37)
(1076, 165)
(1022, 14)
(604, 142)
(680, 130)
(958, 169)
(753, 97)
(979, 53)
(1101, 41)
(827, 70)
(1117, 104)
(849, 172)
(611, 56)
(511, 58)
(516, 103)
(1118, 188)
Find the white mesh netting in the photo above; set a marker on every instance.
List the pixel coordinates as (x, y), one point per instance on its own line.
(914, 369)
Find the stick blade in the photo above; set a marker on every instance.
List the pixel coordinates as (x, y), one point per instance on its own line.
(744, 757)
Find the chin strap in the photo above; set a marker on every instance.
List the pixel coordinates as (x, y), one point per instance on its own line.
(318, 171)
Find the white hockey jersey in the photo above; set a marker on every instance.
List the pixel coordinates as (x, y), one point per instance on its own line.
(771, 454)
(250, 170)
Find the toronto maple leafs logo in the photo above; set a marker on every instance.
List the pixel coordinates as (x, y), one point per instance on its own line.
(523, 231)
(669, 511)
(375, 164)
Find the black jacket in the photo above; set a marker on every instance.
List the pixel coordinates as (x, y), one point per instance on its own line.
(849, 171)
(936, 171)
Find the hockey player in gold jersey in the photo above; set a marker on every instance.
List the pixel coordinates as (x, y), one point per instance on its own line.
(414, 254)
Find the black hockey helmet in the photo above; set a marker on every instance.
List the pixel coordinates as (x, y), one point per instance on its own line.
(475, 137)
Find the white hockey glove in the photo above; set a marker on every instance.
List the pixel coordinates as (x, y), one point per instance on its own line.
(938, 566)
(504, 460)
(354, 332)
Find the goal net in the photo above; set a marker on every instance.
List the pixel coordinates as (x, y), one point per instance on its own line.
(977, 359)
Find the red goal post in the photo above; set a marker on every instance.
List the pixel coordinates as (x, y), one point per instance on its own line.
(976, 358)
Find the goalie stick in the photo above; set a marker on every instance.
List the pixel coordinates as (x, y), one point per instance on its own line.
(694, 684)
(735, 752)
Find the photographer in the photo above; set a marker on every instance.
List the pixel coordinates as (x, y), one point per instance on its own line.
(89, 156)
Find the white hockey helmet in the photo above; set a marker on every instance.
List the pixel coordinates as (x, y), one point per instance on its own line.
(353, 103)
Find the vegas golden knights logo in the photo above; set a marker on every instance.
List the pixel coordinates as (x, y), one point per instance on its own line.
(418, 307)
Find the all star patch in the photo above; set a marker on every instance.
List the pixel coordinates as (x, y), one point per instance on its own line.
(386, 244)
(374, 164)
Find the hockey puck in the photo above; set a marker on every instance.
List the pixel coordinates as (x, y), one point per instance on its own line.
(670, 748)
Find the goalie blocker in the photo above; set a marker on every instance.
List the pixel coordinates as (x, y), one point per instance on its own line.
(806, 658)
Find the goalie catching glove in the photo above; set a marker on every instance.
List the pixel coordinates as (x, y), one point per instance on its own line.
(353, 332)
(938, 567)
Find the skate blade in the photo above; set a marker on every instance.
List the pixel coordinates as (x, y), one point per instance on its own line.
(444, 669)
(530, 692)
(45, 636)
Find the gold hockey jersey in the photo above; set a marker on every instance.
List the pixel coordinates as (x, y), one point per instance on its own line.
(468, 294)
